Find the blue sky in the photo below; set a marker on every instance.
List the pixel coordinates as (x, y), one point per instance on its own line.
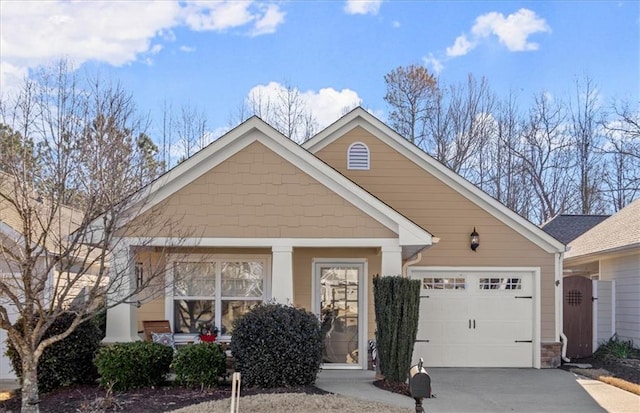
(211, 54)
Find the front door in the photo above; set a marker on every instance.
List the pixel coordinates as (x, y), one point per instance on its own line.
(339, 298)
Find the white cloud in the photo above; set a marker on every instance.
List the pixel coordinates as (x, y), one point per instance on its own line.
(269, 22)
(187, 49)
(512, 31)
(460, 47)
(326, 105)
(117, 33)
(395, 24)
(362, 6)
(431, 61)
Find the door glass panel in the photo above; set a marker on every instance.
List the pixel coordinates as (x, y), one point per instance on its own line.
(339, 309)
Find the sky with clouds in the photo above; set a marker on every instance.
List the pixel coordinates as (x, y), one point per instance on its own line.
(213, 54)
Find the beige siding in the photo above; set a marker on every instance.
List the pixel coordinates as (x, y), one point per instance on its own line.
(303, 274)
(445, 213)
(258, 194)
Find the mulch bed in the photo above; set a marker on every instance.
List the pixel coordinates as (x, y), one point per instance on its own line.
(627, 369)
(89, 398)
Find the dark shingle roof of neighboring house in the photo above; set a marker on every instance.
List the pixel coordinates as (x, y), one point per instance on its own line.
(566, 228)
(619, 232)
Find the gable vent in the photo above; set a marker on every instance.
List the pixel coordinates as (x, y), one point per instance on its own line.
(358, 156)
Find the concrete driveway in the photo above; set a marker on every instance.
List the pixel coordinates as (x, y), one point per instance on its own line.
(493, 390)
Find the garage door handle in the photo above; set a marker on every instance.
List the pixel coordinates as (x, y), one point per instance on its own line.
(474, 324)
(523, 296)
(524, 341)
(422, 341)
(469, 323)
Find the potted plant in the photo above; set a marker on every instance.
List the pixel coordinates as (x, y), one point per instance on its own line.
(208, 332)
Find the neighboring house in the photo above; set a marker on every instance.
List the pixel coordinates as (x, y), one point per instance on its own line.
(603, 266)
(565, 228)
(312, 225)
(11, 243)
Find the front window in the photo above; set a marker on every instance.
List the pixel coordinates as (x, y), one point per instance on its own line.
(217, 291)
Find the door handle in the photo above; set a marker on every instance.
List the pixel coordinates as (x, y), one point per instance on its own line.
(474, 324)
(469, 323)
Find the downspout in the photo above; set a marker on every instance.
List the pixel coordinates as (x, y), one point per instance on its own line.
(563, 340)
(411, 262)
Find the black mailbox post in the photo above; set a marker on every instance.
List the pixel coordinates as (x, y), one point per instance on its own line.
(419, 385)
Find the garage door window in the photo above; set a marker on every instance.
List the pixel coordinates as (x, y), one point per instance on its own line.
(502, 283)
(430, 283)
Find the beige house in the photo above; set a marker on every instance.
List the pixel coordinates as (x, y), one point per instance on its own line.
(312, 225)
(604, 263)
(52, 241)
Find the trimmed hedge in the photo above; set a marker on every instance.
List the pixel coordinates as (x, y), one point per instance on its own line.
(69, 361)
(397, 308)
(125, 366)
(200, 364)
(277, 345)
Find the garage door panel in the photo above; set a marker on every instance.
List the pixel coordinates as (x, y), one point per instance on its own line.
(439, 355)
(510, 355)
(477, 323)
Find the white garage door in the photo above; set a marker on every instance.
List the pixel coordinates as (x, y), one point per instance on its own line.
(475, 318)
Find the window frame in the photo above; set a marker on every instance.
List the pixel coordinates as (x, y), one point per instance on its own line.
(218, 297)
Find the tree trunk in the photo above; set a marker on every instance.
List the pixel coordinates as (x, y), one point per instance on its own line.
(30, 396)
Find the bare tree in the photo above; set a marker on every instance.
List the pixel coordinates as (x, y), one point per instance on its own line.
(622, 150)
(411, 92)
(284, 108)
(547, 158)
(62, 203)
(507, 180)
(585, 132)
(191, 128)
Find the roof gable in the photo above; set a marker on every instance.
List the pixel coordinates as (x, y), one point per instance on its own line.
(361, 118)
(619, 232)
(256, 130)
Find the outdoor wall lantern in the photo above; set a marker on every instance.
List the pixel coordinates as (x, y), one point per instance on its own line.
(475, 239)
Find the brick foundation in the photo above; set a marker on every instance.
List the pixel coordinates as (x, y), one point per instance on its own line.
(550, 356)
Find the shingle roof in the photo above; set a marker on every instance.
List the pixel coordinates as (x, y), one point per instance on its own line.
(621, 230)
(566, 228)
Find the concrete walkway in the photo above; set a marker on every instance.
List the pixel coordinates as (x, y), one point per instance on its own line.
(493, 390)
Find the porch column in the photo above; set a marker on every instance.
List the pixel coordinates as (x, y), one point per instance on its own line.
(391, 260)
(121, 319)
(282, 274)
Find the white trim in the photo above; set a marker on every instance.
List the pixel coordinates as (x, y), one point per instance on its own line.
(558, 289)
(363, 307)
(362, 118)
(263, 242)
(535, 271)
(614, 328)
(594, 317)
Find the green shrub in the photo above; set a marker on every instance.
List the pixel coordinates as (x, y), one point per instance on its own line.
(616, 349)
(200, 364)
(66, 362)
(397, 309)
(125, 366)
(277, 345)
